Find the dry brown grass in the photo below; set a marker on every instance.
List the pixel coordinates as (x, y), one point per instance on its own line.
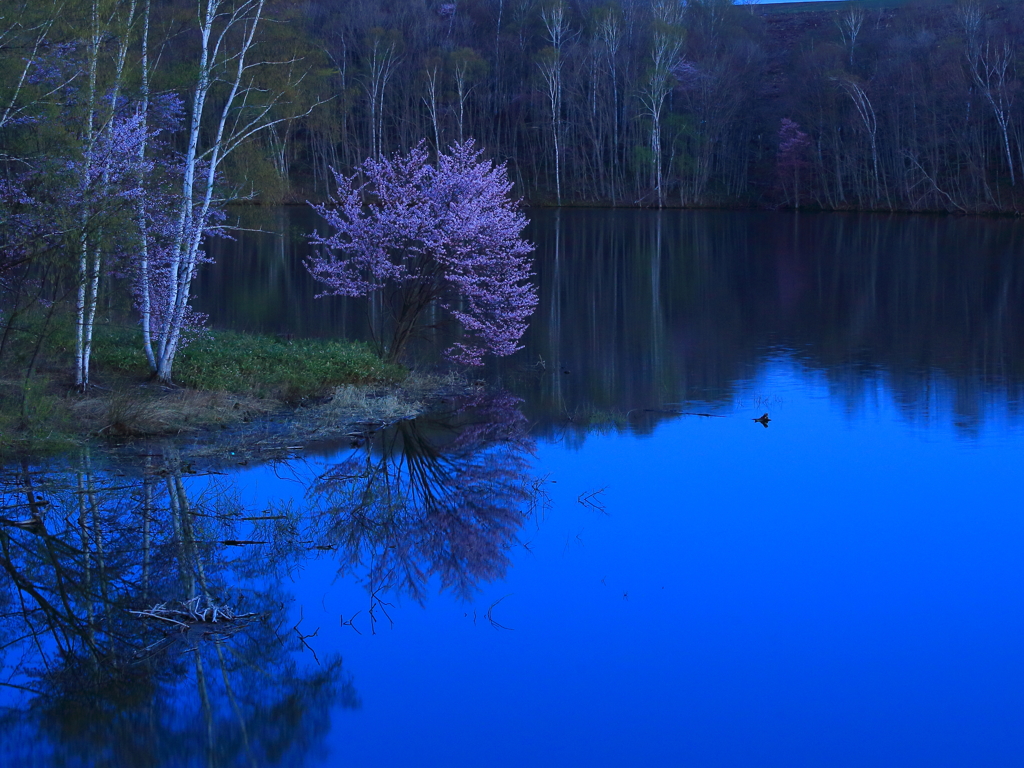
(137, 413)
(356, 407)
(354, 404)
(418, 384)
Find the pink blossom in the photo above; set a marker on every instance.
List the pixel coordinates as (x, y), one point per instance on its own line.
(447, 234)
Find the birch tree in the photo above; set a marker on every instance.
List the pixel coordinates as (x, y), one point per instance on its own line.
(989, 66)
(663, 55)
(866, 112)
(31, 37)
(381, 67)
(101, 126)
(849, 22)
(227, 106)
(557, 26)
(609, 32)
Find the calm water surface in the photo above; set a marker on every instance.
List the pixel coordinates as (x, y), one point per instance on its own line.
(600, 558)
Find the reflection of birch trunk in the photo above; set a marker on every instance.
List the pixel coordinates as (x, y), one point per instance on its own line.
(147, 520)
(555, 322)
(657, 321)
(234, 702)
(204, 699)
(190, 562)
(98, 556)
(62, 624)
(83, 494)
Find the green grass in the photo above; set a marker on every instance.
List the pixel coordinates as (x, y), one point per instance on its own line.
(46, 416)
(252, 364)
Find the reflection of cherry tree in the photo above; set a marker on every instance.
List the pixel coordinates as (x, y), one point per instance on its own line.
(436, 498)
(86, 678)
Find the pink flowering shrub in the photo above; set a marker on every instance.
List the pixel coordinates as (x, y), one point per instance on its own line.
(446, 234)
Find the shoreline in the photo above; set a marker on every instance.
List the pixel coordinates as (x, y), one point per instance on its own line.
(262, 394)
(750, 208)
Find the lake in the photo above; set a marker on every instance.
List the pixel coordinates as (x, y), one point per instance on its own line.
(598, 556)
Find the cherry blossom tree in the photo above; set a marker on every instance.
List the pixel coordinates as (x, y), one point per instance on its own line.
(446, 235)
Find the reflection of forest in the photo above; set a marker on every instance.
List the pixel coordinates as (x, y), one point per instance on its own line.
(87, 680)
(142, 618)
(645, 307)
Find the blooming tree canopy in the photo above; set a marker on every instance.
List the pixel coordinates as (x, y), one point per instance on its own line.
(445, 234)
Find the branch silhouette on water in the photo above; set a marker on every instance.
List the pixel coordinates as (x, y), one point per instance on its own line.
(441, 497)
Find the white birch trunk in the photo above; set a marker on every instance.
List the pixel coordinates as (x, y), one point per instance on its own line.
(194, 206)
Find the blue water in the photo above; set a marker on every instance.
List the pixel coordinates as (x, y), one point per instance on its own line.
(843, 588)
(651, 577)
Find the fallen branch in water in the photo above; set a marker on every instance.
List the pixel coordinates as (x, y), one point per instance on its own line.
(303, 638)
(193, 621)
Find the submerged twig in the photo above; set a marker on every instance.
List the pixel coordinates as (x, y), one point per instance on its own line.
(490, 618)
(590, 499)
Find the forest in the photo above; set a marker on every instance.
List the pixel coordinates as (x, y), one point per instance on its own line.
(882, 106)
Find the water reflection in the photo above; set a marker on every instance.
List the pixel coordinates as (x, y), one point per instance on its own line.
(144, 617)
(640, 308)
(437, 498)
(99, 665)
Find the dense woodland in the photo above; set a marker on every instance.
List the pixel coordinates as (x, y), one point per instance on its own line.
(639, 102)
(694, 104)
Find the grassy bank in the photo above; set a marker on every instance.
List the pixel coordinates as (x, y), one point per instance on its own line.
(252, 364)
(221, 378)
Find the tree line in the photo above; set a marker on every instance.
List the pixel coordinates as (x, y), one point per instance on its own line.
(623, 102)
(664, 103)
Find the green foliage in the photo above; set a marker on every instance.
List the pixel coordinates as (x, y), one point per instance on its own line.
(118, 349)
(264, 366)
(33, 419)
